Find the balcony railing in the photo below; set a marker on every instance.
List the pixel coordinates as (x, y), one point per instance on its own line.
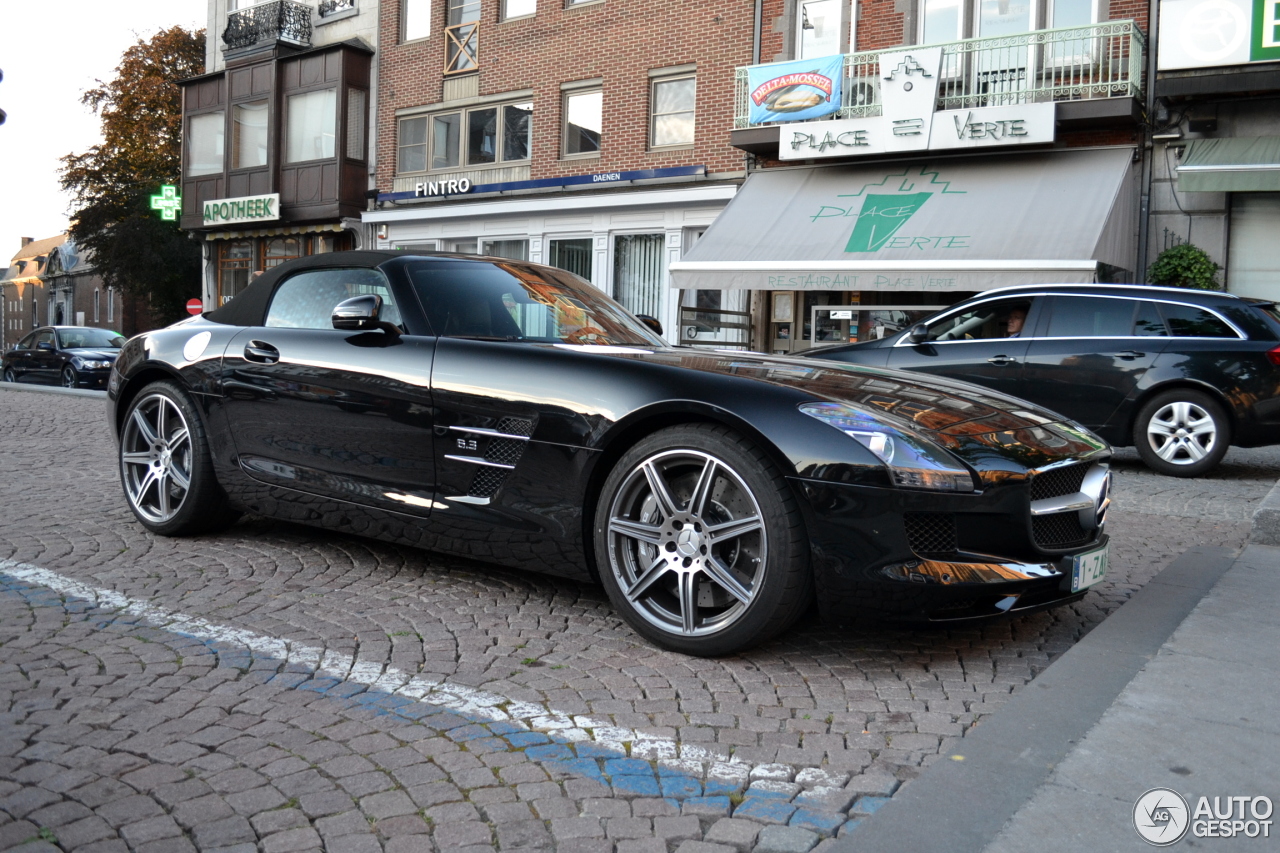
(268, 23)
(1071, 63)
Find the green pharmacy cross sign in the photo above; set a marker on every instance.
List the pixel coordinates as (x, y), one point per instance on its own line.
(168, 202)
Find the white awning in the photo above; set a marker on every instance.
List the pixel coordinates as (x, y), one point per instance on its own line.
(955, 225)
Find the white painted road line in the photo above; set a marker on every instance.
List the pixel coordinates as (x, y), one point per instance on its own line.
(479, 705)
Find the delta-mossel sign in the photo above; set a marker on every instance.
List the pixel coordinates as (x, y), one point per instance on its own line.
(909, 122)
(254, 208)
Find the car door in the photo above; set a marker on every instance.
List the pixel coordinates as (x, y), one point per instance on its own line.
(1090, 353)
(981, 342)
(44, 358)
(343, 414)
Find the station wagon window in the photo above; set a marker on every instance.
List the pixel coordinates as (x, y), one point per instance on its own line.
(28, 342)
(1090, 317)
(1186, 321)
(307, 300)
(987, 321)
(1148, 321)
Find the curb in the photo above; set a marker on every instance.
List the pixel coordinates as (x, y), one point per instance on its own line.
(963, 801)
(1266, 519)
(53, 389)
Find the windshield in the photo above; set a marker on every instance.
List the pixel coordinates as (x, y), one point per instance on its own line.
(514, 302)
(90, 339)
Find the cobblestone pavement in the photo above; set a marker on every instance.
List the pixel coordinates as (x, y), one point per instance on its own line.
(279, 688)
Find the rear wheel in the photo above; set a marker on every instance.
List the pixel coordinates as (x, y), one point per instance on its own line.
(1182, 433)
(699, 542)
(165, 465)
(69, 378)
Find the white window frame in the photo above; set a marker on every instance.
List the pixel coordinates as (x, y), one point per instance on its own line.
(408, 8)
(654, 82)
(565, 96)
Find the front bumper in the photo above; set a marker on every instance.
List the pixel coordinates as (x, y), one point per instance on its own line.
(93, 378)
(865, 567)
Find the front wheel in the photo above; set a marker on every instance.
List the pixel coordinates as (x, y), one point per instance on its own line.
(165, 465)
(69, 378)
(1182, 433)
(700, 544)
(8, 375)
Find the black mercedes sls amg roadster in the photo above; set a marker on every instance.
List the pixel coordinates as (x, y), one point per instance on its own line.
(511, 412)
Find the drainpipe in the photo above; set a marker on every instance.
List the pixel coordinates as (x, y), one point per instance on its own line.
(1148, 146)
(755, 33)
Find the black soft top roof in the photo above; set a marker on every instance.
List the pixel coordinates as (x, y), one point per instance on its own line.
(249, 306)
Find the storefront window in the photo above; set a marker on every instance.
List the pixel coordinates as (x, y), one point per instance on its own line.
(281, 249)
(205, 141)
(313, 122)
(638, 271)
(235, 263)
(249, 135)
(572, 255)
(516, 250)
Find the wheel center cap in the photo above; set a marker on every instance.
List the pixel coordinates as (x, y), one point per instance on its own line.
(688, 542)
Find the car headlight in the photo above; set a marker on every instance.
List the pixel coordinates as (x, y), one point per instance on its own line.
(913, 463)
(89, 363)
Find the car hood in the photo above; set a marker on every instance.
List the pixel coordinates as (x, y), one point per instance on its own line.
(96, 354)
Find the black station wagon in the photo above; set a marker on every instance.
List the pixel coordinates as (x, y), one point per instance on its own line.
(1178, 374)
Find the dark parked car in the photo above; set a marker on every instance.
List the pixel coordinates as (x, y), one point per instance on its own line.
(70, 356)
(1179, 374)
(512, 413)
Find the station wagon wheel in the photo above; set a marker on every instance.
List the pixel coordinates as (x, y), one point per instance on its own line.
(69, 379)
(165, 467)
(699, 543)
(1181, 433)
(8, 375)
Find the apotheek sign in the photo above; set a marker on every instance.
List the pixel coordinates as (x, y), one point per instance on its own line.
(908, 122)
(253, 208)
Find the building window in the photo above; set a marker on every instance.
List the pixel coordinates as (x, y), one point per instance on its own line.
(249, 135)
(97, 305)
(111, 304)
(583, 123)
(818, 28)
(672, 104)
(281, 249)
(486, 134)
(638, 271)
(416, 23)
(462, 36)
(357, 119)
(518, 9)
(572, 255)
(949, 20)
(205, 139)
(312, 124)
(235, 263)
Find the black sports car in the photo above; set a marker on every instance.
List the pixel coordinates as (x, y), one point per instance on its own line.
(510, 412)
(70, 356)
(1179, 374)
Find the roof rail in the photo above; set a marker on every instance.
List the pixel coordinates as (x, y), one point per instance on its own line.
(1120, 286)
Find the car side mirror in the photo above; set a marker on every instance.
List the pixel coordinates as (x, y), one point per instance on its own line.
(651, 322)
(44, 346)
(358, 314)
(919, 333)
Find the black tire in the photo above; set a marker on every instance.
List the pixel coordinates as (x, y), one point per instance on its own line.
(69, 378)
(155, 456)
(746, 586)
(8, 375)
(1182, 433)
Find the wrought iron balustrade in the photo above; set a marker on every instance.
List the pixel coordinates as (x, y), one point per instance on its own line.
(1103, 60)
(273, 21)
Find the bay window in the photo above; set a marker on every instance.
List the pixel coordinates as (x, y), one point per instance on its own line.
(205, 143)
(249, 135)
(312, 125)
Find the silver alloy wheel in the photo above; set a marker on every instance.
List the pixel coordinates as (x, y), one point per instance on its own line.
(8, 375)
(155, 458)
(68, 377)
(1182, 433)
(687, 542)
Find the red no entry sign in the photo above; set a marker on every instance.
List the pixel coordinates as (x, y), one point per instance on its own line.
(195, 306)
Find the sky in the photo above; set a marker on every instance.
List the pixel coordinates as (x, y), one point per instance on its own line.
(51, 52)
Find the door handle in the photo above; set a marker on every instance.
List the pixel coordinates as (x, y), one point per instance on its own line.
(1002, 360)
(1127, 355)
(263, 353)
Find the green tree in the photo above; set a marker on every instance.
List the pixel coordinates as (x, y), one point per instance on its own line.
(1185, 265)
(141, 149)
